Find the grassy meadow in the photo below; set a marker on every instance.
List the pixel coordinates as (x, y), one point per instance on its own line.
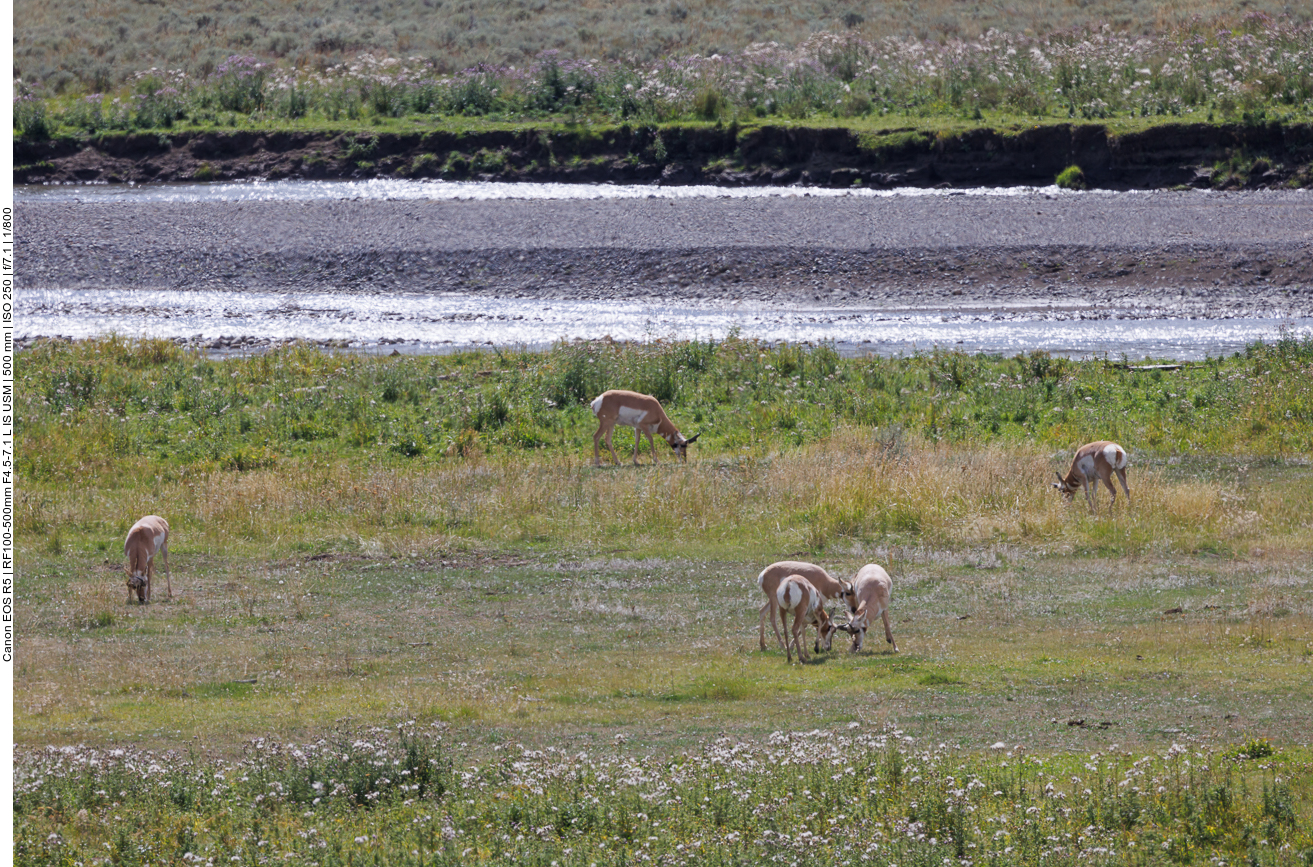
(71, 44)
(412, 624)
(1256, 69)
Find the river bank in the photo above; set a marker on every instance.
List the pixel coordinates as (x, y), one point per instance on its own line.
(1204, 155)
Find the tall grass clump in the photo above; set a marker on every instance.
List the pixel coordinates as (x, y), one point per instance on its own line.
(1253, 69)
(806, 798)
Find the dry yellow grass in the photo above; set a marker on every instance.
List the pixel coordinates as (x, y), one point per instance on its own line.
(845, 488)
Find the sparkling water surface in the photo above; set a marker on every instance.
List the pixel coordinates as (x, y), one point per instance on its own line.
(437, 322)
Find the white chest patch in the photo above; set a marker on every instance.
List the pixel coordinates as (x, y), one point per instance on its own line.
(630, 417)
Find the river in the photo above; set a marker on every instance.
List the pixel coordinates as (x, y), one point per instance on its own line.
(74, 297)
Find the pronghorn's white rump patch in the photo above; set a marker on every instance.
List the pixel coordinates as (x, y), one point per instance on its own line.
(630, 417)
(1115, 457)
(789, 595)
(597, 404)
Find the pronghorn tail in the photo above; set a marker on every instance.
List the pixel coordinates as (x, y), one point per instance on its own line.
(597, 405)
(789, 595)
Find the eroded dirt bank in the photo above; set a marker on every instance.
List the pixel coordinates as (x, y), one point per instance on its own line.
(1221, 156)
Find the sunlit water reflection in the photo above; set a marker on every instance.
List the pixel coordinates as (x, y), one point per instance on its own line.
(398, 190)
(441, 322)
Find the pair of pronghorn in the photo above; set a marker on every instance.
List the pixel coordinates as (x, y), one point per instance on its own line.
(802, 589)
(1093, 462)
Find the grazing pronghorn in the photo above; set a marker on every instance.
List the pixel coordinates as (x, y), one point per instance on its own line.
(796, 595)
(147, 536)
(1093, 463)
(641, 412)
(872, 590)
(769, 582)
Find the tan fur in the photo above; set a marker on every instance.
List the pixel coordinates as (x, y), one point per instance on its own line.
(873, 590)
(798, 597)
(620, 407)
(769, 582)
(1090, 466)
(147, 537)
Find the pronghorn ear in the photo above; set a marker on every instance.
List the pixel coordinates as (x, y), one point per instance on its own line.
(692, 439)
(1059, 475)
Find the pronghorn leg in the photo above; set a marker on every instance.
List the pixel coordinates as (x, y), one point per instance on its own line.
(651, 442)
(615, 459)
(597, 454)
(791, 636)
(770, 609)
(1107, 481)
(1121, 477)
(638, 442)
(150, 574)
(788, 644)
(888, 633)
(800, 635)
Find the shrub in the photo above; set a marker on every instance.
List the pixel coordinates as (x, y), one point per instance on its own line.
(709, 104)
(1071, 178)
(30, 117)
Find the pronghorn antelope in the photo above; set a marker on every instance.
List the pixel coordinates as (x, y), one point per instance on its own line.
(796, 595)
(769, 582)
(147, 536)
(872, 589)
(1093, 463)
(641, 412)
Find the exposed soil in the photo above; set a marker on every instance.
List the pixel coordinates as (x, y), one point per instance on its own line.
(1220, 156)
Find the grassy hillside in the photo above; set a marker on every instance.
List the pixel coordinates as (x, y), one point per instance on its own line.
(90, 47)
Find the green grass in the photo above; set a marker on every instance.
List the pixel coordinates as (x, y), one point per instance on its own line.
(521, 633)
(863, 793)
(308, 451)
(1252, 70)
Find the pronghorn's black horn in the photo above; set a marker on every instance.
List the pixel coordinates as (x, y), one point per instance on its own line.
(1058, 474)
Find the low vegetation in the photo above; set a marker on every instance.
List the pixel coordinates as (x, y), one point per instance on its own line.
(69, 45)
(481, 444)
(412, 623)
(811, 798)
(1256, 70)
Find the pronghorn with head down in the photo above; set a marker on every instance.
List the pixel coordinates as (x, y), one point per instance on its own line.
(769, 581)
(147, 537)
(1093, 463)
(872, 591)
(644, 414)
(798, 597)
